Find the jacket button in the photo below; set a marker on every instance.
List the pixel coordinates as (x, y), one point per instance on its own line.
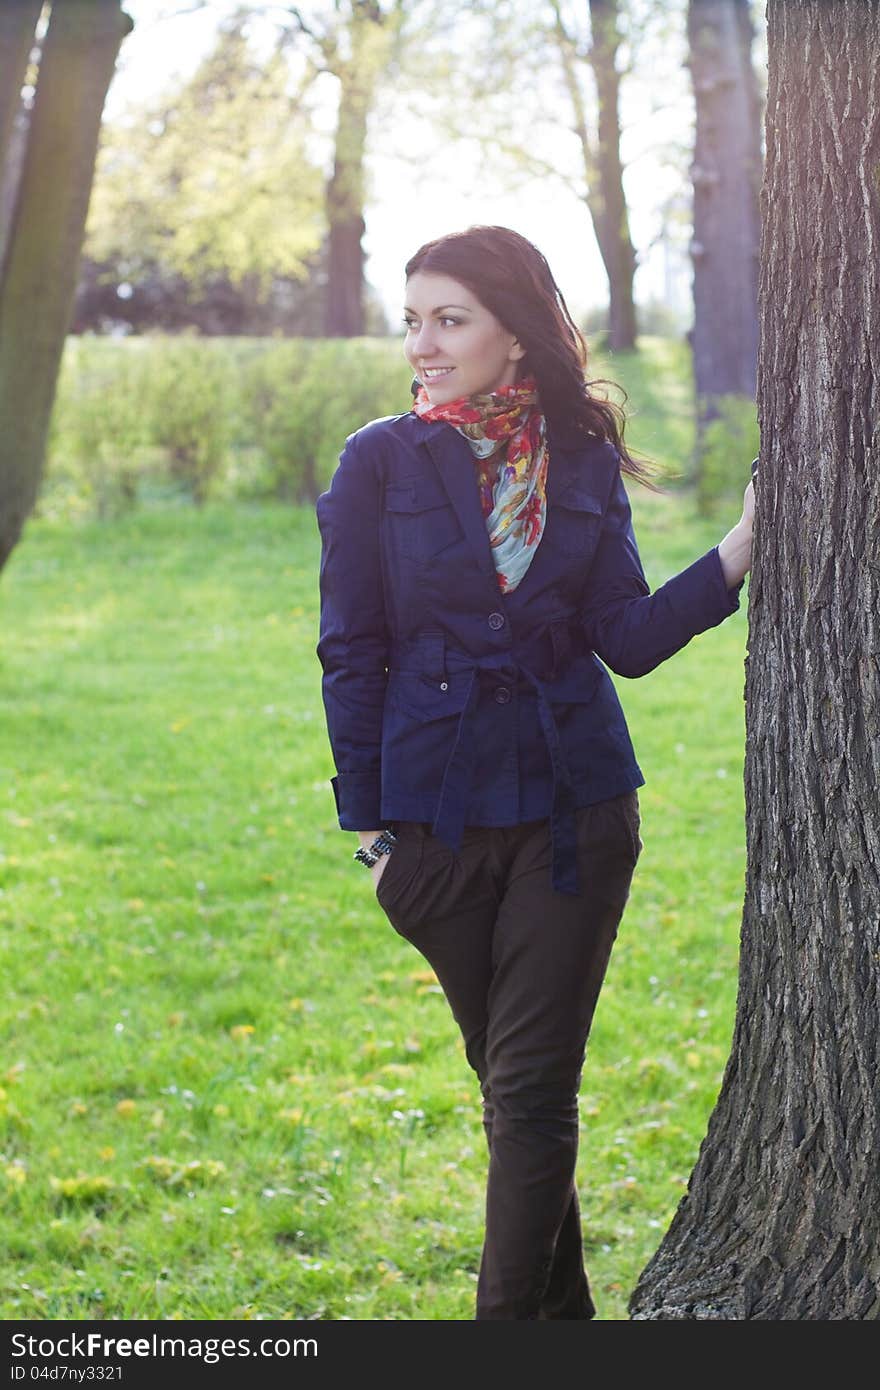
(502, 695)
(496, 620)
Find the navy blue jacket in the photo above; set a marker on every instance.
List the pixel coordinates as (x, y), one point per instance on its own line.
(450, 702)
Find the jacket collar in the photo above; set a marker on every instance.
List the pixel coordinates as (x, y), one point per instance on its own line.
(454, 460)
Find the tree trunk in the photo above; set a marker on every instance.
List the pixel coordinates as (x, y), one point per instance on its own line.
(609, 203)
(45, 240)
(782, 1218)
(370, 34)
(726, 174)
(18, 23)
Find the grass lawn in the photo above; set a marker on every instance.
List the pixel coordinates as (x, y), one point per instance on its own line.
(228, 1089)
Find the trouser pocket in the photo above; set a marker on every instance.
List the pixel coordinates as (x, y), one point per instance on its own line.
(625, 809)
(403, 862)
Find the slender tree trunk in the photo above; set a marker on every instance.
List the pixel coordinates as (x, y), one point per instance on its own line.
(782, 1217)
(726, 173)
(610, 215)
(370, 35)
(42, 253)
(344, 303)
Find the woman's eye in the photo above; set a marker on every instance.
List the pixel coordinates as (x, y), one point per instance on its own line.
(408, 323)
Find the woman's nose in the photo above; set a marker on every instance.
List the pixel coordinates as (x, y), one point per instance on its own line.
(423, 344)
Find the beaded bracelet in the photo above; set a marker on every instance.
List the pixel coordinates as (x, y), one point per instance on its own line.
(383, 844)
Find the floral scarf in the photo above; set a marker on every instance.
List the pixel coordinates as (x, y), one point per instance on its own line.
(513, 484)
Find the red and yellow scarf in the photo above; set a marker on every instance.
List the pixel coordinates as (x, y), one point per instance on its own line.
(513, 484)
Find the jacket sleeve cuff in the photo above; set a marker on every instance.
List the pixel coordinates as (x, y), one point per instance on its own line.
(358, 797)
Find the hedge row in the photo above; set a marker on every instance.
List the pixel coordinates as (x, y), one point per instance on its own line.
(257, 418)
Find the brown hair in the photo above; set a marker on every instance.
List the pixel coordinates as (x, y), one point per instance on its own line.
(511, 278)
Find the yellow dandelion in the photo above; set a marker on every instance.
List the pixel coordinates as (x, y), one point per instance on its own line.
(82, 1187)
(135, 904)
(290, 1117)
(174, 1020)
(107, 1153)
(16, 1173)
(241, 1031)
(77, 1107)
(296, 1005)
(221, 1110)
(693, 1059)
(126, 1108)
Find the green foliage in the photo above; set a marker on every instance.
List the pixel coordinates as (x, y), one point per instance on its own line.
(212, 178)
(188, 418)
(100, 427)
(229, 1088)
(729, 443)
(141, 418)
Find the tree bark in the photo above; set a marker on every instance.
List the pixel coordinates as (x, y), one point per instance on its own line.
(726, 174)
(609, 208)
(45, 240)
(782, 1219)
(370, 35)
(603, 172)
(18, 23)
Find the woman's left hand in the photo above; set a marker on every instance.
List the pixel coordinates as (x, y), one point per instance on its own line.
(735, 551)
(748, 507)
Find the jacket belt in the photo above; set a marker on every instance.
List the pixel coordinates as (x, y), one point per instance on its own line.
(449, 820)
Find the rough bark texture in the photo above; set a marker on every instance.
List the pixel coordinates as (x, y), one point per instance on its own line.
(726, 174)
(782, 1218)
(370, 34)
(42, 254)
(610, 215)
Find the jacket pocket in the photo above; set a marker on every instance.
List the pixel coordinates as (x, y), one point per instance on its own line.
(573, 522)
(424, 699)
(420, 517)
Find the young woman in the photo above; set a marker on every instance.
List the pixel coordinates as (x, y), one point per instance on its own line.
(478, 567)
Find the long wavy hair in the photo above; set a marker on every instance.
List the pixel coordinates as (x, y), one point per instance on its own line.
(511, 278)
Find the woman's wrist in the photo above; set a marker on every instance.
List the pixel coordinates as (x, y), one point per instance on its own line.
(735, 554)
(367, 837)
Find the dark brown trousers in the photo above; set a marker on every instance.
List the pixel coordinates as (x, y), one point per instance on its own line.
(521, 966)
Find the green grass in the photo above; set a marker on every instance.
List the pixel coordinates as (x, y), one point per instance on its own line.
(229, 1088)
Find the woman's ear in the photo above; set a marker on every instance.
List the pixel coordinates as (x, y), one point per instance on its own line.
(517, 351)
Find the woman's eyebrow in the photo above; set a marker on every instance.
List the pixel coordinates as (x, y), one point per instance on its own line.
(439, 309)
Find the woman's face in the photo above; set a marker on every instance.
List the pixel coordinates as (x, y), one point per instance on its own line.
(449, 329)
